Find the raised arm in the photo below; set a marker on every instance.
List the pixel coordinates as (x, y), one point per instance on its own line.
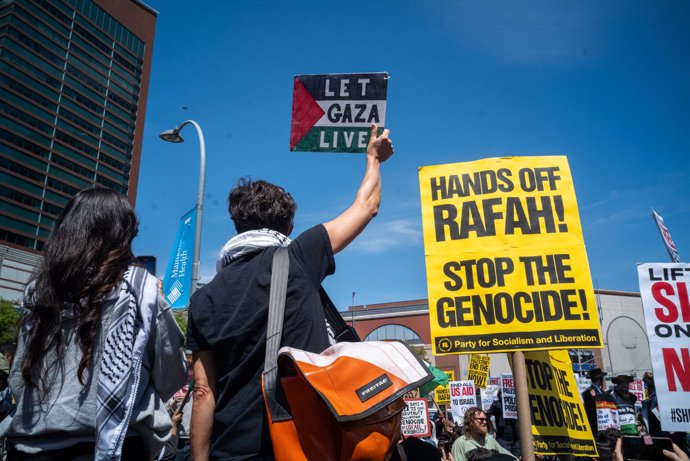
(343, 229)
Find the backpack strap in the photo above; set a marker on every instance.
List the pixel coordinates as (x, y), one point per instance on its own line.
(274, 332)
(342, 331)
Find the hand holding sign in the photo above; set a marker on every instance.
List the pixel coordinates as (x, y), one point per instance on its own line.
(380, 147)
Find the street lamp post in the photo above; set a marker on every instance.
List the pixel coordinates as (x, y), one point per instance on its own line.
(175, 137)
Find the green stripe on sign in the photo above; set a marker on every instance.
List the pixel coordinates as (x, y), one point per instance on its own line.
(330, 139)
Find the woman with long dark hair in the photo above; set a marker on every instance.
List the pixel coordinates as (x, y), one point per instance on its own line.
(98, 351)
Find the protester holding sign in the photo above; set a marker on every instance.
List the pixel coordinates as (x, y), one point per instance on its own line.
(227, 318)
(624, 401)
(590, 394)
(475, 435)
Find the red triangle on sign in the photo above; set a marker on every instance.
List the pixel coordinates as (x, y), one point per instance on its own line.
(305, 113)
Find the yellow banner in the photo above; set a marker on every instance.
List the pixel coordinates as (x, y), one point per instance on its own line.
(505, 258)
(443, 392)
(559, 423)
(478, 369)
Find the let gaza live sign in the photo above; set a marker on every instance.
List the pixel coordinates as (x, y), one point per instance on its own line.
(334, 112)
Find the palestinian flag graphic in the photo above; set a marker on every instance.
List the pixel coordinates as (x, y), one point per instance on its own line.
(334, 112)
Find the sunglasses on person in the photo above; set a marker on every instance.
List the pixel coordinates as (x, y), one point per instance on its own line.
(481, 420)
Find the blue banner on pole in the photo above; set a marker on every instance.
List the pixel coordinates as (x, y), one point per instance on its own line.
(177, 283)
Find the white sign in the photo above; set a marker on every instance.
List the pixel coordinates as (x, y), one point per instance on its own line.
(664, 290)
(415, 418)
(607, 415)
(489, 394)
(509, 397)
(462, 397)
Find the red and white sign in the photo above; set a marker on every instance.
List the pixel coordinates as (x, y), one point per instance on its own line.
(509, 397)
(664, 290)
(637, 388)
(463, 396)
(666, 237)
(415, 418)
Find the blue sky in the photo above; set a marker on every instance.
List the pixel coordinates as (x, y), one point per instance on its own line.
(605, 83)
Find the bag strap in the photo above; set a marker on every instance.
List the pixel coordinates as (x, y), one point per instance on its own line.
(274, 331)
(342, 331)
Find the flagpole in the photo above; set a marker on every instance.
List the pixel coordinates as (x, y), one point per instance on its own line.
(524, 415)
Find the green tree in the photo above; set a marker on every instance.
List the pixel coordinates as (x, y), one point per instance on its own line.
(181, 319)
(9, 321)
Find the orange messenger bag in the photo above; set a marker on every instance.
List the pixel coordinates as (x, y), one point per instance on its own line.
(342, 404)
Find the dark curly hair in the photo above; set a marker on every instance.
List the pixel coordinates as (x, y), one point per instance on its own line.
(86, 256)
(259, 204)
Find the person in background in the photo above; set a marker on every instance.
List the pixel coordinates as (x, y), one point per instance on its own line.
(589, 396)
(475, 435)
(226, 327)
(99, 351)
(624, 400)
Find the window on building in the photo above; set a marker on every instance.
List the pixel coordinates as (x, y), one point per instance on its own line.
(394, 331)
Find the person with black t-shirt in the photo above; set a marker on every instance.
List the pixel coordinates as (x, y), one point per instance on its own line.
(226, 328)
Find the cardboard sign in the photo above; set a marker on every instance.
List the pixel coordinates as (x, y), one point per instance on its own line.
(509, 397)
(463, 396)
(559, 422)
(415, 418)
(505, 257)
(443, 392)
(334, 112)
(478, 370)
(664, 290)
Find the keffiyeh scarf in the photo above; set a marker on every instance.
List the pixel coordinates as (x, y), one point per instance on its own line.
(120, 368)
(249, 242)
(256, 240)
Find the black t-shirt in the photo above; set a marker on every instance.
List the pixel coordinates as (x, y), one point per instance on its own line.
(229, 315)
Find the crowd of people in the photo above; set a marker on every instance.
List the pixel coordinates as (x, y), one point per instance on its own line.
(99, 355)
(101, 370)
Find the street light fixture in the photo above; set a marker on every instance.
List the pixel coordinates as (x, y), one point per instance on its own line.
(175, 137)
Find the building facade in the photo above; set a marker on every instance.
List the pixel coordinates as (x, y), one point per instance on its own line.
(74, 78)
(626, 346)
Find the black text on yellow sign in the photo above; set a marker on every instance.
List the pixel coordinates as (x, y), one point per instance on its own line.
(506, 264)
(478, 369)
(559, 422)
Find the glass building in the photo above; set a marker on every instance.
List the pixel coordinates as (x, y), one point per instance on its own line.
(73, 86)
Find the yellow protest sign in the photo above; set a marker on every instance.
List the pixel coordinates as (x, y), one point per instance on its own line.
(478, 369)
(559, 423)
(505, 257)
(443, 392)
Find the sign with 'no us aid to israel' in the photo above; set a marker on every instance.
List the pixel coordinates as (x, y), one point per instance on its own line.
(334, 112)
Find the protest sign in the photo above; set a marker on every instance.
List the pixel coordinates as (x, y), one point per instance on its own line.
(478, 369)
(666, 237)
(462, 397)
(415, 418)
(509, 397)
(488, 395)
(506, 262)
(664, 292)
(177, 283)
(637, 388)
(607, 415)
(443, 392)
(495, 381)
(334, 112)
(559, 423)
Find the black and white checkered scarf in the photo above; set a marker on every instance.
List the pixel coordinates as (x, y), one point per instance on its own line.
(120, 368)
